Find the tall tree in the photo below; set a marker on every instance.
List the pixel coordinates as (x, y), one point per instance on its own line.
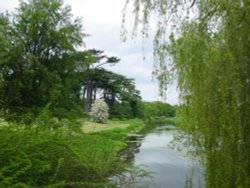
(121, 95)
(37, 43)
(95, 81)
(210, 58)
(93, 61)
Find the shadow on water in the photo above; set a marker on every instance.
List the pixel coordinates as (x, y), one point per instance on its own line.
(157, 163)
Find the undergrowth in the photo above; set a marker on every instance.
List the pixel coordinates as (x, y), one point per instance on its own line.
(58, 156)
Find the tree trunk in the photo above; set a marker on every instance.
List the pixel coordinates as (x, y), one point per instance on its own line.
(89, 96)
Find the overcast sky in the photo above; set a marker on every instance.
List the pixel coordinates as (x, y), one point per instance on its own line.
(102, 20)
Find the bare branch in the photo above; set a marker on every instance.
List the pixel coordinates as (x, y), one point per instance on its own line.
(192, 4)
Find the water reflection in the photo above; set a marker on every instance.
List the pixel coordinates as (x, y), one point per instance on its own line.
(171, 168)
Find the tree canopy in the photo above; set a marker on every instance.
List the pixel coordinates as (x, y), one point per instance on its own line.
(37, 43)
(95, 81)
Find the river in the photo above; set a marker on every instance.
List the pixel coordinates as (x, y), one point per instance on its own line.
(169, 167)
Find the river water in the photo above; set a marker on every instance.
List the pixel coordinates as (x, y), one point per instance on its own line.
(170, 168)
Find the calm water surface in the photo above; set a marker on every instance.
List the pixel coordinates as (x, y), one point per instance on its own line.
(171, 168)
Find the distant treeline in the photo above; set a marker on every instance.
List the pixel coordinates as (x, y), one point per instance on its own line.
(158, 109)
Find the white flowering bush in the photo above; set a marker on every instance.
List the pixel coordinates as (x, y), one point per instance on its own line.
(99, 111)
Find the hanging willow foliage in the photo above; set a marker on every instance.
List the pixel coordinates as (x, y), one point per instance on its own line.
(210, 53)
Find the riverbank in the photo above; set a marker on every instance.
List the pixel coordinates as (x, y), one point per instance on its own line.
(115, 131)
(61, 157)
(64, 155)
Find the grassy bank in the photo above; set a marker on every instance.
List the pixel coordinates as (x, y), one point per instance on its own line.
(90, 127)
(114, 131)
(59, 158)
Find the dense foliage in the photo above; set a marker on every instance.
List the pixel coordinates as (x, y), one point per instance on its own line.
(46, 158)
(210, 59)
(60, 157)
(37, 44)
(93, 75)
(40, 67)
(117, 90)
(158, 109)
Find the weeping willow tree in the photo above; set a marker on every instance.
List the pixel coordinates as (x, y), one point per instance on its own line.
(208, 53)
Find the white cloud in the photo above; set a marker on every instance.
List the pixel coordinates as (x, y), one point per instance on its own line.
(98, 11)
(8, 5)
(149, 90)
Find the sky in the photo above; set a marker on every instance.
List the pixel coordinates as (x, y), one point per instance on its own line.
(102, 19)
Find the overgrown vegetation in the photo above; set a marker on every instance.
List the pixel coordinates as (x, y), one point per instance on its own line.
(33, 157)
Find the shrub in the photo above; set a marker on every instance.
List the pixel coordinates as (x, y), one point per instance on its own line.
(99, 111)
